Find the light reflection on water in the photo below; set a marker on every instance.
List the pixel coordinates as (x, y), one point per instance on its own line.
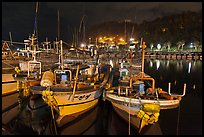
(184, 71)
(179, 72)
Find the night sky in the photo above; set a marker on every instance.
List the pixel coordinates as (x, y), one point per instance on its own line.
(18, 17)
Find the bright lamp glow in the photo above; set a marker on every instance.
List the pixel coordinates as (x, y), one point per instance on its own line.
(132, 39)
(82, 45)
(158, 46)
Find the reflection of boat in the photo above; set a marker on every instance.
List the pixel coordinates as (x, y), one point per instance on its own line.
(82, 123)
(135, 98)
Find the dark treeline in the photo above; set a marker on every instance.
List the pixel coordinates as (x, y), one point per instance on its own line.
(185, 26)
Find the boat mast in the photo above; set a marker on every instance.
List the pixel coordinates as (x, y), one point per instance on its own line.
(35, 25)
(58, 34)
(10, 38)
(131, 69)
(62, 61)
(32, 39)
(143, 47)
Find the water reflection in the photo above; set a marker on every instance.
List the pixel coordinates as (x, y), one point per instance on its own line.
(150, 64)
(158, 64)
(167, 64)
(179, 65)
(189, 67)
(177, 72)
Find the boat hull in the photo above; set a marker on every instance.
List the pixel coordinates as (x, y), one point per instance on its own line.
(9, 85)
(70, 108)
(122, 111)
(164, 103)
(128, 108)
(81, 103)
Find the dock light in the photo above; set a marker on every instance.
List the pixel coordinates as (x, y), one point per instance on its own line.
(191, 45)
(158, 64)
(82, 45)
(158, 46)
(132, 39)
(121, 39)
(189, 67)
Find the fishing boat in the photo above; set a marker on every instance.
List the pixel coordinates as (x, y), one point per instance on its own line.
(70, 90)
(9, 84)
(10, 96)
(135, 98)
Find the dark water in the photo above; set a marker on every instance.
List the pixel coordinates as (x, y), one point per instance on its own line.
(185, 120)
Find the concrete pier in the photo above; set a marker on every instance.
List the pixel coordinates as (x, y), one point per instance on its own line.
(174, 55)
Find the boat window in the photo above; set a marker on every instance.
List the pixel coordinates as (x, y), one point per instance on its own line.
(64, 78)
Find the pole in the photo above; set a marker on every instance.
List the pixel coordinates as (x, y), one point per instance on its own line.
(75, 83)
(125, 31)
(58, 26)
(129, 118)
(178, 119)
(62, 61)
(143, 47)
(10, 38)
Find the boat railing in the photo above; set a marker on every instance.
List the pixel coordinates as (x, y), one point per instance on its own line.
(146, 78)
(169, 91)
(123, 90)
(34, 69)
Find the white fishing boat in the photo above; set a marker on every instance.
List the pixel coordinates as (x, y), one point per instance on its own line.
(9, 84)
(136, 99)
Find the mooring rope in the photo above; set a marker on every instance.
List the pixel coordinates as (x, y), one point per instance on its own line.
(178, 119)
(129, 117)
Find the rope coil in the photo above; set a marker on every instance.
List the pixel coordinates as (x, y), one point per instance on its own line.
(49, 98)
(148, 118)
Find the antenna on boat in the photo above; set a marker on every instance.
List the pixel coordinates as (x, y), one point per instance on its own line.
(61, 53)
(34, 62)
(47, 44)
(10, 38)
(58, 32)
(82, 27)
(35, 25)
(33, 38)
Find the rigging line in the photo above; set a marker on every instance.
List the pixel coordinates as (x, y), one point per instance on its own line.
(58, 20)
(12, 42)
(129, 117)
(67, 43)
(8, 64)
(10, 38)
(177, 129)
(35, 24)
(53, 118)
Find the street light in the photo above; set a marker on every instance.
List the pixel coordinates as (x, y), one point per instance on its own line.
(158, 46)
